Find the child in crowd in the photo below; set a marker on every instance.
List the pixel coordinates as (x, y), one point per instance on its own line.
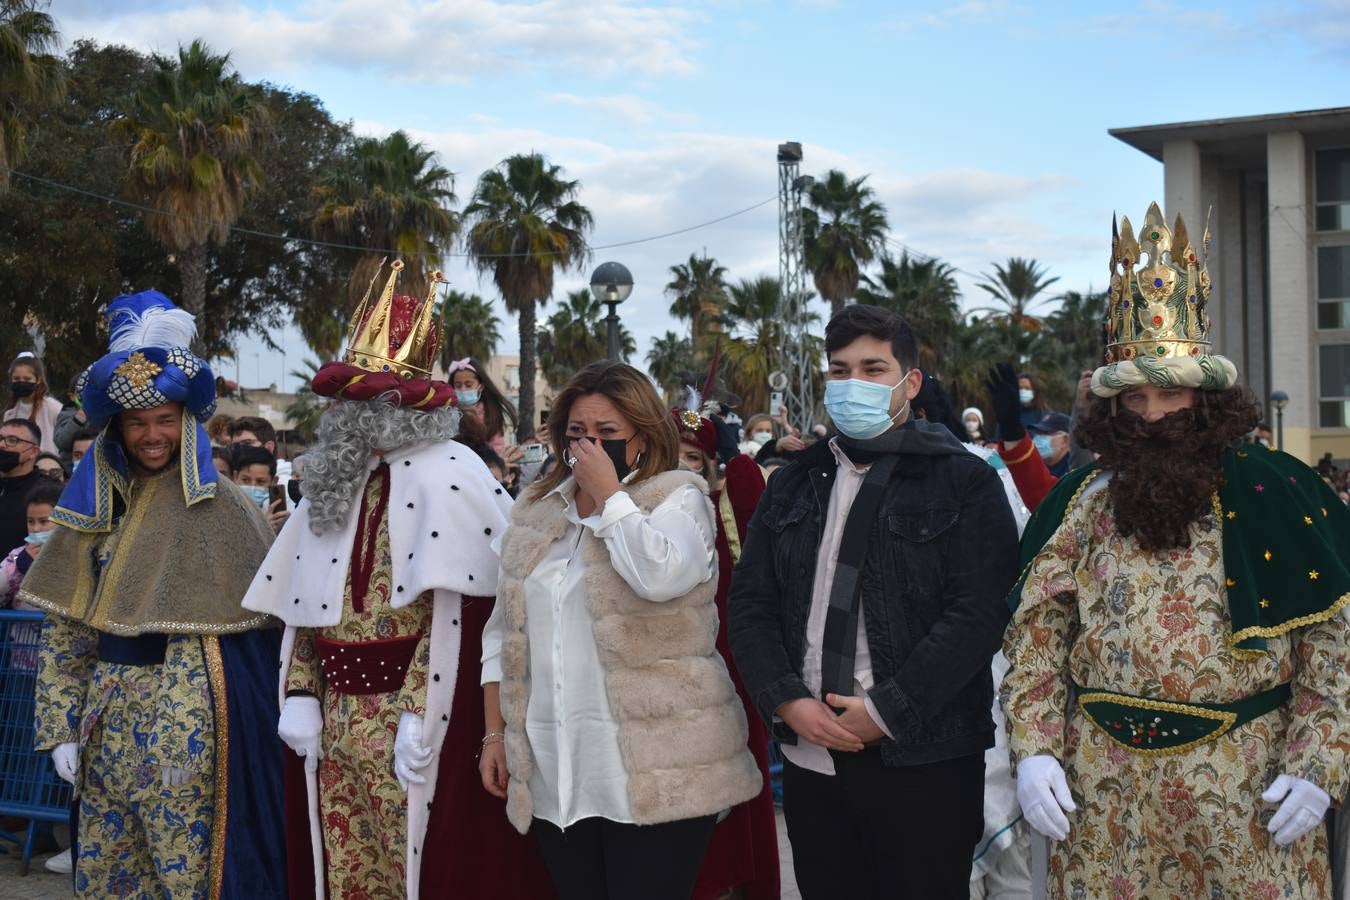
(255, 471)
(475, 394)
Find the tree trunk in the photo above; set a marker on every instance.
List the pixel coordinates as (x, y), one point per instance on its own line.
(528, 316)
(192, 274)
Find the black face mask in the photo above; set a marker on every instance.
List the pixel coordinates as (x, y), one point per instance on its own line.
(22, 389)
(616, 450)
(9, 460)
(293, 489)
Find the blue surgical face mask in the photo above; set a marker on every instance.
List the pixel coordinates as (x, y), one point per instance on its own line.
(762, 437)
(257, 493)
(1044, 446)
(467, 397)
(1026, 396)
(862, 409)
(38, 537)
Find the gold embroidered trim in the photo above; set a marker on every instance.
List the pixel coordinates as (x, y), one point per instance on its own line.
(729, 525)
(1286, 627)
(261, 620)
(1225, 719)
(215, 671)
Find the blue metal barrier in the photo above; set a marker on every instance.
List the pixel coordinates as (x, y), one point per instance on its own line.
(29, 785)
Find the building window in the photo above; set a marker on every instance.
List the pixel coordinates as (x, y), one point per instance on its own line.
(1334, 382)
(1333, 286)
(1333, 189)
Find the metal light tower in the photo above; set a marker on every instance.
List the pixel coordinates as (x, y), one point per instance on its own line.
(800, 395)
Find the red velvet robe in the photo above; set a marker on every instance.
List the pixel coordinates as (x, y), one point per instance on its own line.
(744, 848)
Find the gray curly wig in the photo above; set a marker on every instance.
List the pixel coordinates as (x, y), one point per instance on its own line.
(335, 465)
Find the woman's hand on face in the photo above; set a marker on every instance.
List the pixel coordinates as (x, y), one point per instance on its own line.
(594, 471)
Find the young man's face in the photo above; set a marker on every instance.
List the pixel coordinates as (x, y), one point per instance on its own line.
(256, 475)
(1151, 403)
(152, 436)
(250, 439)
(79, 449)
(873, 359)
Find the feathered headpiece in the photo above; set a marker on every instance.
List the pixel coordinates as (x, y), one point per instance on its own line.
(149, 364)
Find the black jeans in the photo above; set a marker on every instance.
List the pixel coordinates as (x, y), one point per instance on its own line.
(870, 832)
(598, 859)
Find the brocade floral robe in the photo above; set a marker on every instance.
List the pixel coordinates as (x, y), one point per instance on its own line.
(1102, 613)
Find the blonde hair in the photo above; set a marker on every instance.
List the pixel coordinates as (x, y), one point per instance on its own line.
(633, 395)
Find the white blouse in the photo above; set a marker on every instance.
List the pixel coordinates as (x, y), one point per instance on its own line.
(578, 770)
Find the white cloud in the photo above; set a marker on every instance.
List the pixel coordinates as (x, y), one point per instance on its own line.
(628, 108)
(416, 40)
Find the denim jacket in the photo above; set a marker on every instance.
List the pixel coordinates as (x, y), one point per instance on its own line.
(940, 560)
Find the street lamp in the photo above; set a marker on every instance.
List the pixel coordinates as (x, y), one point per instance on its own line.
(1279, 400)
(611, 284)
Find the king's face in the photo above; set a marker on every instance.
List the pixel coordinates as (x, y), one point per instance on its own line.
(1151, 403)
(151, 436)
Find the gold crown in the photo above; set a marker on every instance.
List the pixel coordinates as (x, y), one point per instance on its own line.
(1157, 310)
(397, 334)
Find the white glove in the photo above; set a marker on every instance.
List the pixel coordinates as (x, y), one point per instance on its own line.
(66, 759)
(1043, 793)
(301, 727)
(172, 776)
(409, 754)
(1305, 805)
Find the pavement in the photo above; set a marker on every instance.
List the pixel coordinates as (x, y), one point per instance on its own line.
(39, 884)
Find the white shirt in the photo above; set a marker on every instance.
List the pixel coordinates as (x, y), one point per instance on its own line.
(848, 479)
(663, 555)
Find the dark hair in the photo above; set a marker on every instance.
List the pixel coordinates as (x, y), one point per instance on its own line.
(54, 458)
(633, 394)
(489, 456)
(222, 453)
(242, 456)
(859, 319)
(261, 428)
(497, 410)
(44, 491)
(40, 392)
(34, 432)
(1166, 472)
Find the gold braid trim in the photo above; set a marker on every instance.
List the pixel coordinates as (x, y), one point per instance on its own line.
(1225, 720)
(215, 671)
(1031, 448)
(728, 516)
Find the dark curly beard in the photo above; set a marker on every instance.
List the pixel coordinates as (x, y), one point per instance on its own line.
(1165, 473)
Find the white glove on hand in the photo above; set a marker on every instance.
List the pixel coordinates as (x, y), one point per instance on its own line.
(1305, 805)
(172, 776)
(301, 728)
(409, 754)
(1043, 793)
(66, 759)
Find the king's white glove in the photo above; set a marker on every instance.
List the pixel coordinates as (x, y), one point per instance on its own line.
(1043, 793)
(410, 756)
(173, 776)
(1303, 808)
(301, 728)
(66, 759)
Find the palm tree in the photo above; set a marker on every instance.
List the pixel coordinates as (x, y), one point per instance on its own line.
(393, 196)
(843, 228)
(670, 356)
(194, 127)
(29, 74)
(698, 294)
(755, 349)
(924, 292)
(307, 407)
(1014, 289)
(575, 335)
(471, 328)
(1070, 341)
(525, 223)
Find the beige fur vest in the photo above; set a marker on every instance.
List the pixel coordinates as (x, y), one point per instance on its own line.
(682, 729)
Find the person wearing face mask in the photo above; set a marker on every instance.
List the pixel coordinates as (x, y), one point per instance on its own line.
(865, 612)
(255, 470)
(758, 432)
(1050, 436)
(30, 399)
(615, 732)
(972, 421)
(20, 443)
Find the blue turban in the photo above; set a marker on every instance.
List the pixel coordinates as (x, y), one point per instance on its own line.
(149, 365)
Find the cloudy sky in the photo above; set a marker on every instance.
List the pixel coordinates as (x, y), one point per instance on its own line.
(982, 124)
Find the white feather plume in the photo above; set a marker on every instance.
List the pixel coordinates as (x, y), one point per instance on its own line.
(692, 399)
(156, 327)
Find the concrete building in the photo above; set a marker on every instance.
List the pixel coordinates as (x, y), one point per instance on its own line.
(1279, 190)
